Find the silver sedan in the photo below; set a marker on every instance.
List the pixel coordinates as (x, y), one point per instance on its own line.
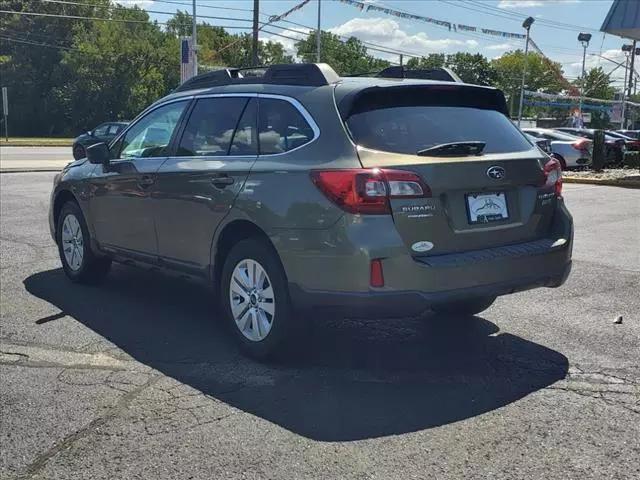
(572, 151)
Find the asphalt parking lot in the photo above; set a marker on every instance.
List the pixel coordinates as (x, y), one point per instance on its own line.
(137, 379)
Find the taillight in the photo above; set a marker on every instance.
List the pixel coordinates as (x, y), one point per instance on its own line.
(581, 145)
(553, 176)
(368, 191)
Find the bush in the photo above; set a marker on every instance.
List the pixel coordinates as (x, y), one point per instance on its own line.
(632, 159)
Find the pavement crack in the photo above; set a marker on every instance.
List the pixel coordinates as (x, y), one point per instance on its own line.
(41, 460)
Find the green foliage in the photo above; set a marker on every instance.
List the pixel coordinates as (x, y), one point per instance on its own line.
(471, 68)
(632, 159)
(346, 58)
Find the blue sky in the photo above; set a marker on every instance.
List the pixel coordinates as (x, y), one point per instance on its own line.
(557, 42)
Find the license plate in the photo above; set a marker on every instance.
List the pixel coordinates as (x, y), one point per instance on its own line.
(487, 207)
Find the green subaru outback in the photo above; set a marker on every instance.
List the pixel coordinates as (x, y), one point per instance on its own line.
(292, 188)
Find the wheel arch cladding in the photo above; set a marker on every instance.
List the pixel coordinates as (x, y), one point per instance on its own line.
(232, 233)
(62, 197)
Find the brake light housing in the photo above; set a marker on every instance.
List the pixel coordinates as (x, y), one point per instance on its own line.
(369, 190)
(581, 145)
(553, 176)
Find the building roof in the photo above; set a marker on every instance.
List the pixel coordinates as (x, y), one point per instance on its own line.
(623, 19)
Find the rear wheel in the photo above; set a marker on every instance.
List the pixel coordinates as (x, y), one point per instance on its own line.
(79, 262)
(465, 307)
(256, 301)
(79, 152)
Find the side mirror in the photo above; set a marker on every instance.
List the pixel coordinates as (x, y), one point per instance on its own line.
(99, 154)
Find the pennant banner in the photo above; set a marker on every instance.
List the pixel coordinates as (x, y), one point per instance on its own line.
(277, 18)
(362, 6)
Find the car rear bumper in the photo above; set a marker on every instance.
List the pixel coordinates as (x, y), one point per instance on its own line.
(407, 303)
(335, 280)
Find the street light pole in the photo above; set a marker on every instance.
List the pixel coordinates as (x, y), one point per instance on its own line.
(583, 38)
(527, 25)
(318, 36)
(194, 39)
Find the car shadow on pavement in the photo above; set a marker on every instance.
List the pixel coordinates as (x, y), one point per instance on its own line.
(354, 379)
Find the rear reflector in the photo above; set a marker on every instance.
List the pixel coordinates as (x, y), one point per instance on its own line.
(377, 277)
(368, 191)
(553, 176)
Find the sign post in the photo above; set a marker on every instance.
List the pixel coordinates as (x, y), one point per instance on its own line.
(5, 113)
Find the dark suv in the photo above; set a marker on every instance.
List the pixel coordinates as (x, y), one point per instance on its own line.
(299, 189)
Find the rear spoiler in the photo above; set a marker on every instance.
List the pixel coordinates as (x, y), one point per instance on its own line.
(436, 94)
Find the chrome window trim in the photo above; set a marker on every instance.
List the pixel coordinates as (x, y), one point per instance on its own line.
(296, 104)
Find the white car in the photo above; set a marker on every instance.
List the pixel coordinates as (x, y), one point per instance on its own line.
(571, 151)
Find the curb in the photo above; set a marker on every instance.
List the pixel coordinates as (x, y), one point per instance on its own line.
(30, 170)
(606, 182)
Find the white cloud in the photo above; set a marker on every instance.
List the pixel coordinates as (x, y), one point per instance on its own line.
(531, 3)
(132, 3)
(387, 33)
(574, 70)
(504, 46)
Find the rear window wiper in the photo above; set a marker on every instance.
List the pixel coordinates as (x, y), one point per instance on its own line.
(454, 149)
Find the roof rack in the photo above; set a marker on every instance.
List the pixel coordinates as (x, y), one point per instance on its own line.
(440, 73)
(300, 74)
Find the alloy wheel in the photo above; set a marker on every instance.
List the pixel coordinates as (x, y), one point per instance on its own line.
(72, 242)
(252, 300)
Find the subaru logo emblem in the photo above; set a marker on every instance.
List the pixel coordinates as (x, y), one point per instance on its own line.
(496, 172)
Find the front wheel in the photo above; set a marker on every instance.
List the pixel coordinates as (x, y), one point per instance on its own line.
(465, 307)
(79, 263)
(255, 298)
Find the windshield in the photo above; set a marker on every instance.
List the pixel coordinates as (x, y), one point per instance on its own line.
(410, 129)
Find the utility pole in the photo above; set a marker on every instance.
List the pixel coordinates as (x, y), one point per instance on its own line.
(631, 69)
(254, 43)
(5, 112)
(401, 60)
(194, 39)
(584, 39)
(527, 25)
(318, 36)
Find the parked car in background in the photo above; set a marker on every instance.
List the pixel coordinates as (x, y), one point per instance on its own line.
(301, 190)
(630, 133)
(543, 144)
(570, 150)
(104, 132)
(614, 147)
(630, 143)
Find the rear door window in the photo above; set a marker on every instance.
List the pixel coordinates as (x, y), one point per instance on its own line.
(409, 129)
(281, 127)
(211, 126)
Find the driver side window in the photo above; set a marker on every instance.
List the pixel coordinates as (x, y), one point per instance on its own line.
(151, 135)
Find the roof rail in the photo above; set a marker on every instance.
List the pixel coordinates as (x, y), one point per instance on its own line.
(300, 74)
(440, 73)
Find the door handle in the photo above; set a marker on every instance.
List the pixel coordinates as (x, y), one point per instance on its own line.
(222, 181)
(146, 181)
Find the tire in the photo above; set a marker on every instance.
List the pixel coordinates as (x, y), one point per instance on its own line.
(79, 152)
(79, 262)
(265, 327)
(465, 307)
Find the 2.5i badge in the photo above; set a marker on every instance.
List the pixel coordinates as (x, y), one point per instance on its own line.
(423, 246)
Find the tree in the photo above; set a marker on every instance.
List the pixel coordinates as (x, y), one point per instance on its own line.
(542, 75)
(346, 57)
(116, 69)
(471, 68)
(31, 52)
(220, 48)
(597, 84)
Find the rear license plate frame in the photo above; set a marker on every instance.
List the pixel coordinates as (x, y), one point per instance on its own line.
(499, 207)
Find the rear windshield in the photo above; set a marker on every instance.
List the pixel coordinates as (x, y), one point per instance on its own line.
(409, 129)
